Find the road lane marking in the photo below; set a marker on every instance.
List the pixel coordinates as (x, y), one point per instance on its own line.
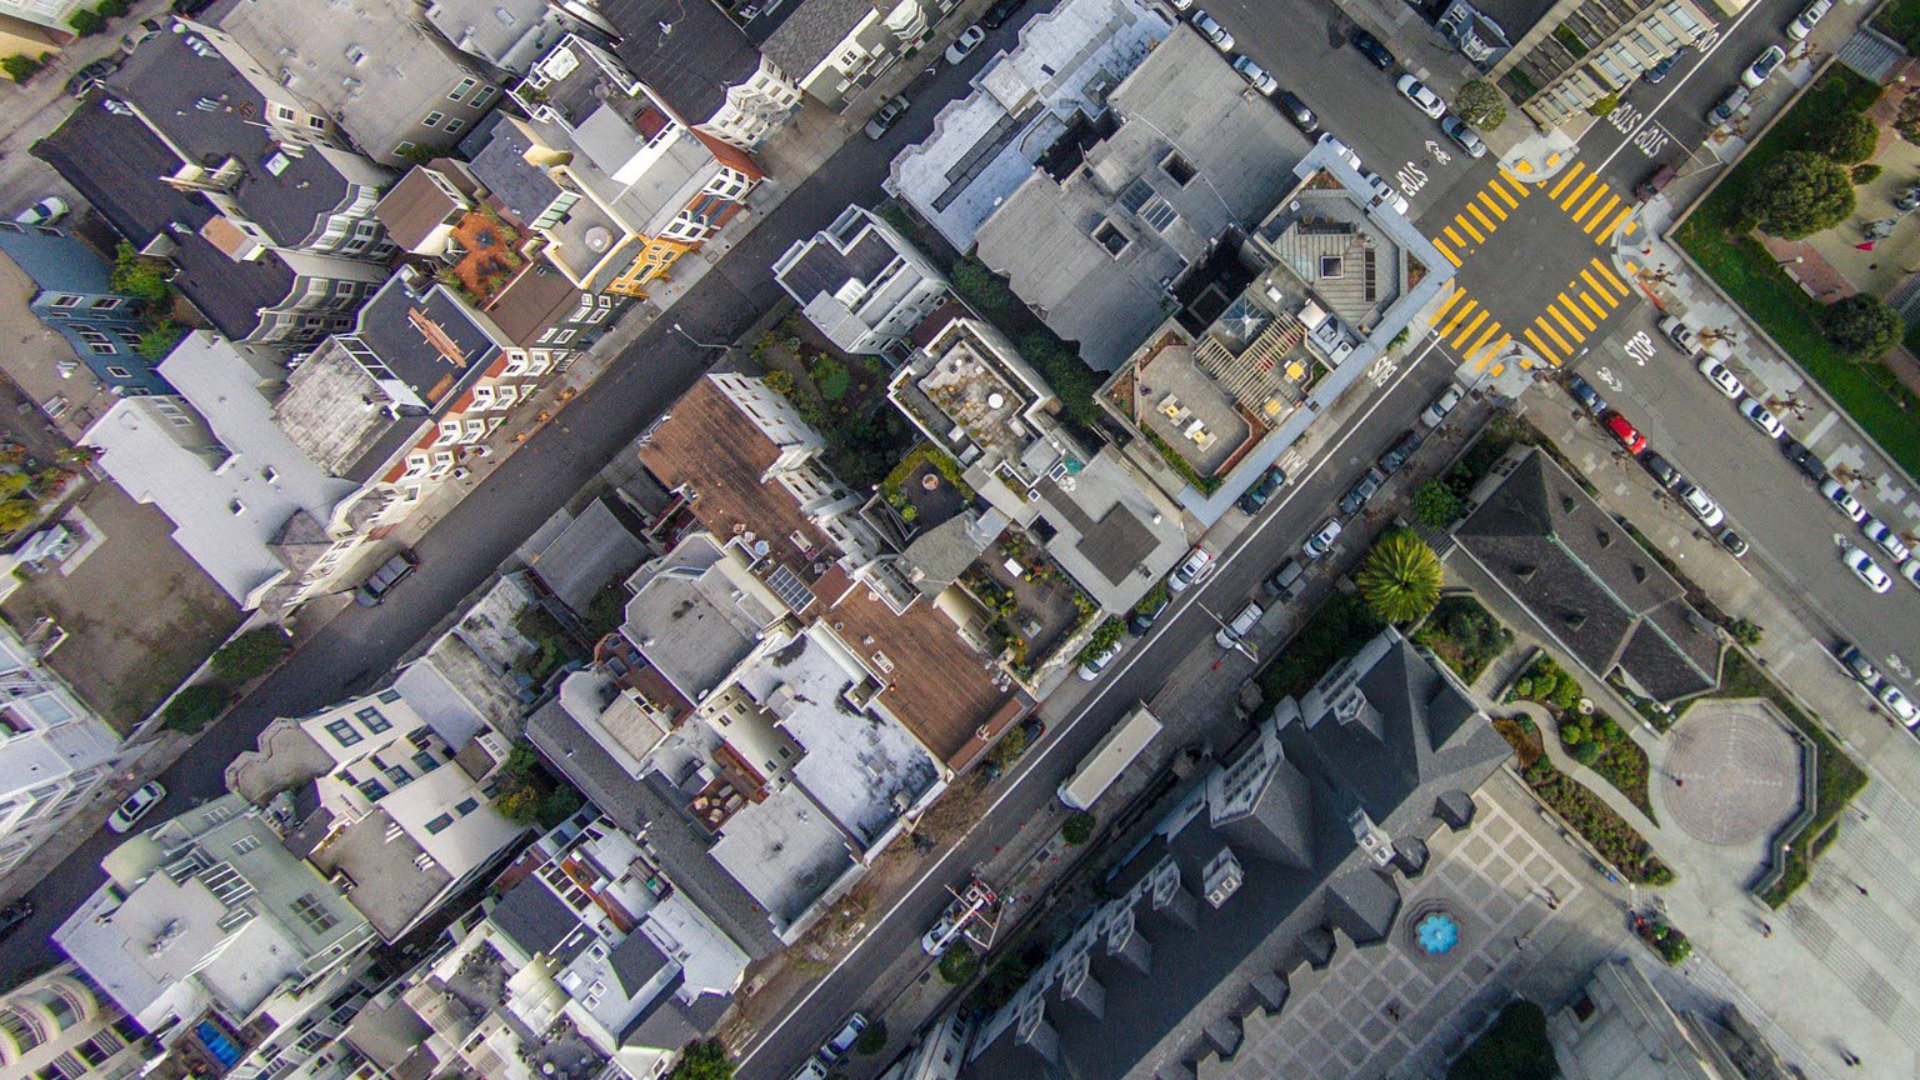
(1538, 345)
(1579, 315)
(1546, 326)
(1487, 353)
(1612, 201)
(1599, 312)
(1461, 220)
(1485, 221)
(1607, 233)
(1608, 275)
(1598, 191)
(1454, 236)
(1576, 335)
(1467, 331)
(1492, 329)
(1500, 189)
(1726, 33)
(1451, 300)
(1465, 309)
(1567, 204)
(1594, 284)
(1442, 249)
(1565, 180)
(1493, 204)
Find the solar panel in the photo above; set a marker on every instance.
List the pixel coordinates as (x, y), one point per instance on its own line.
(790, 589)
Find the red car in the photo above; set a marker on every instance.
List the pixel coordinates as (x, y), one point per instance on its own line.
(1629, 438)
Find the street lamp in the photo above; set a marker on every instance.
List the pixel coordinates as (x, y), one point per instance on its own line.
(1795, 261)
(678, 329)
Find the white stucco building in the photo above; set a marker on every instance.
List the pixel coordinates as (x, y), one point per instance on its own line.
(53, 752)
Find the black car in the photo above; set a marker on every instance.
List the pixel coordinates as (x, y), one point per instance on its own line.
(1397, 454)
(1659, 71)
(1371, 48)
(1143, 618)
(1262, 490)
(89, 77)
(1280, 583)
(1356, 497)
(997, 15)
(1298, 112)
(1662, 470)
(1804, 459)
(1583, 392)
(1732, 541)
(14, 914)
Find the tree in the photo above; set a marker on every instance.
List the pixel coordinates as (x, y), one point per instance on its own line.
(417, 154)
(1849, 139)
(1434, 504)
(1866, 174)
(704, 1060)
(1604, 106)
(1481, 105)
(1863, 325)
(20, 68)
(137, 276)
(252, 654)
(1078, 829)
(1401, 578)
(159, 339)
(1801, 194)
(981, 286)
(872, 1040)
(958, 965)
(1907, 121)
(196, 706)
(86, 23)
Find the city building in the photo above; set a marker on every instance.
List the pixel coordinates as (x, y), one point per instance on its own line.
(251, 295)
(985, 145)
(1583, 50)
(834, 49)
(21, 37)
(619, 187)
(861, 283)
(246, 503)
(509, 35)
(392, 84)
(1622, 1026)
(54, 754)
(698, 62)
(423, 209)
(1587, 584)
(73, 294)
(59, 1024)
(1293, 849)
(1100, 238)
(210, 934)
(52, 14)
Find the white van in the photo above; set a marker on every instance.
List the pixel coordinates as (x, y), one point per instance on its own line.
(1239, 626)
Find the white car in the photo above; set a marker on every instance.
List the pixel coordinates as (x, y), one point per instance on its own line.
(1383, 193)
(1703, 506)
(1341, 150)
(1762, 67)
(1255, 74)
(837, 1047)
(1237, 628)
(1322, 542)
(1911, 571)
(1843, 501)
(963, 46)
(1460, 133)
(1442, 405)
(1865, 568)
(1423, 99)
(1677, 332)
(45, 212)
(1213, 31)
(1197, 564)
(1756, 410)
(1896, 702)
(138, 805)
(1799, 28)
(1099, 663)
(1722, 379)
(1881, 533)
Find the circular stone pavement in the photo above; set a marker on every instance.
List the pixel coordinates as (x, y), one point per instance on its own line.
(1741, 771)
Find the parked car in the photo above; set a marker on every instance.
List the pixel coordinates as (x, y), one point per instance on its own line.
(1843, 500)
(138, 805)
(1371, 48)
(13, 915)
(1256, 496)
(1723, 379)
(1238, 627)
(1662, 470)
(1422, 96)
(1463, 136)
(1625, 432)
(1584, 393)
(1279, 584)
(1384, 194)
(1857, 664)
(1762, 417)
(1362, 492)
(45, 212)
(1322, 542)
(1658, 72)
(1897, 704)
(91, 76)
(997, 15)
(1911, 571)
(1729, 105)
(1655, 183)
(381, 582)
(1865, 568)
(1763, 67)
(1735, 544)
(1683, 339)
(963, 46)
(887, 115)
(1255, 74)
(1804, 459)
(1341, 150)
(1298, 112)
(1397, 454)
(1803, 24)
(836, 1048)
(812, 1070)
(1143, 618)
(1098, 664)
(1212, 31)
(1197, 565)
(1436, 412)
(1701, 505)
(1884, 535)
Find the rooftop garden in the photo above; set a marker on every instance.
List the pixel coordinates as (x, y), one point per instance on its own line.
(491, 257)
(1464, 635)
(843, 397)
(1036, 609)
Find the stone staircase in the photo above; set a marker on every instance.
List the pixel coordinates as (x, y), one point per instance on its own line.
(1872, 54)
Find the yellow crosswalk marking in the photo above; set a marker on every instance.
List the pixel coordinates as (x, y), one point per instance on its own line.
(1448, 255)
(1608, 275)
(1594, 284)
(1576, 335)
(1543, 324)
(1461, 220)
(1601, 214)
(1598, 191)
(1461, 338)
(1493, 205)
(1498, 368)
(1451, 300)
(1607, 233)
(1578, 191)
(1579, 315)
(1499, 186)
(1485, 336)
(1465, 309)
(1565, 180)
(1489, 351)
(1519, 186)
(1598, 311)
(1538, 345)
(1628, 231)
(1454, 236)
(1485, 221)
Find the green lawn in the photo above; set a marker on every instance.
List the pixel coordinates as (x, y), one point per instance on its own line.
(1870, 393)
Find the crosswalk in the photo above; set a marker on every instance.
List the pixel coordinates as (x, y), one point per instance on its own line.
(1481, 218)
(1576, 312)
(1596, 208)
(1465, 325)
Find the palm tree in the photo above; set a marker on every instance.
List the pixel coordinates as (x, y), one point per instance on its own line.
(1401, 577)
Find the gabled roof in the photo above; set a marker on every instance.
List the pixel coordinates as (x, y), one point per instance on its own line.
(807, 32)
(686, 51)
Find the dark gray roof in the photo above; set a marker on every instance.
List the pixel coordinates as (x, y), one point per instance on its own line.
(1363, 904)
(392, 325)
(523, 189)
(642, 807)
(636, 961)
(690, 65)
(169, 82)
(1590, 584)
(1279, 825)
(595, 547)
(115, 163)
(804, 32)
(536, 919)
(669, 1023)
(315, 820)
(825, 269)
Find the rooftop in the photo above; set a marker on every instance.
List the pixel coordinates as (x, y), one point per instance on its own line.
(594, 548)
(785, 852)
(1113, 531)
(510, 34)
(427, 339)
(689, 54)
(418, 206)
(799, 34)
(523, 188)
(696, 613)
